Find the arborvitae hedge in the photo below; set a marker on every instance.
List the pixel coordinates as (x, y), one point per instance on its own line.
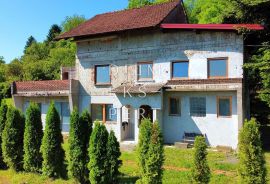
(98, 155)
(3, 118)
(86, 121)
(12, 139)
(155, 157)
(114, 154)
(77, 153)
(252, 163)
(143, 145)
(200, 170)
(51, 148)
(32, 139)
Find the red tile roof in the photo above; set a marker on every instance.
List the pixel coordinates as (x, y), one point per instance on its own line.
(138, 18)
(49, 85)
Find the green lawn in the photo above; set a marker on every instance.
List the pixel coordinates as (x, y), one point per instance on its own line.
(176, 169)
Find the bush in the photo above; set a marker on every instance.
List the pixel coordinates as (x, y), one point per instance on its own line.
(114, 154)
(51, 148)
(252, 164)
(143, 145)
(3, 118)
(98, 155)
(200, 171)
(79, 131)
(32, 139)
(155, 157)
(12, 139)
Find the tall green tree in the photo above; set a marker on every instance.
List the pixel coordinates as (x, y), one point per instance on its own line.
(143, 145)
(72, 21)
(3, 118)
(98, 155)
(32, 139)
(54, 31)
(141, 3)
(2, 60)
(29, 42)
(155, 157)
(113, 155)
(77, 146)
(12, 139)
(252, 163)
(51, 148)
(200, 170)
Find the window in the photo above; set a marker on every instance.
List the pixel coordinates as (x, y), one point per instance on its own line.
(104, 112)
(224, 106)
(145, 70)
(180, 69)
(198, 106)
(174, 107)
(64, 113)
(102, 74)
(217, 68)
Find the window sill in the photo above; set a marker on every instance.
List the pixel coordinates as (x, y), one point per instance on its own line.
(175, 115)
(103, 84)
(224, 116)
(145, 80)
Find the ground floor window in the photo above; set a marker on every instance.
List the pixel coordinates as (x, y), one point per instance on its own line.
(64, 113)
(224, 106)
(197, 106)
(103, 112)
(174, 106)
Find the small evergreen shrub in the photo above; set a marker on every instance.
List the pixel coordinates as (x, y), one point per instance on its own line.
(12, 139)
(3, 118)
(51, 148)
(32, 139)
(77, 153)
(252, 163)
(98, 155)
(200, 170)
(114, 154)
(143, 145)
(155, 157)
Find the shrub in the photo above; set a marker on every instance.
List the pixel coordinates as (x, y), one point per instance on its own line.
(200, 171)
(252, 164)
(98, 155)
(51, 149)
(143, 145)
(155, 157)
(113, 153)
(12, 139)
(77, 145)
(3, 118)
(32, 139)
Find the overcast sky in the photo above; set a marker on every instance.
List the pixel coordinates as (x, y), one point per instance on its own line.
(21, 18)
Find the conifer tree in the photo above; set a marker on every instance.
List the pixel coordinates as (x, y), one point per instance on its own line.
(12, 139)
(77, 152)
(51, 148)
(32, 139)
(3, 118)
(143, 145)
(155, 157)
(113, 158)
(200, 171)
(252, 163)
(98, 155)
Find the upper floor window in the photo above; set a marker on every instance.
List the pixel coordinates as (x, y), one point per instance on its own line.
(145, 71)
(197, 106)
(224, 106)
(174, 106)
(180, 69)
(217, 68)
(102, 74)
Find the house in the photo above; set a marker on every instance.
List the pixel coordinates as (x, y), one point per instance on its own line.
(149, 62)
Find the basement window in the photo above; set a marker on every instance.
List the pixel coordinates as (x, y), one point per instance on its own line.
(197, 106)
(102, 75)
(224, 106)
(103, 112)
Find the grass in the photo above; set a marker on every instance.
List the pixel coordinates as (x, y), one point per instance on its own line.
(178, 163)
